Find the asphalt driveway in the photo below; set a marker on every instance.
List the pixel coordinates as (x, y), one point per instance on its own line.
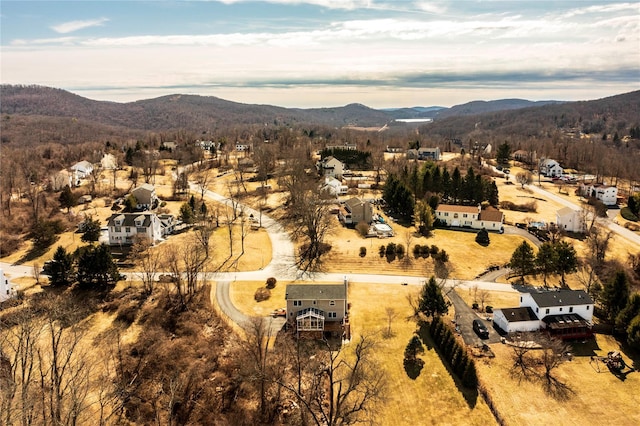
(464, 319)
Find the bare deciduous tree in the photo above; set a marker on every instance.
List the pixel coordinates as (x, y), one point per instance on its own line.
(391, 314)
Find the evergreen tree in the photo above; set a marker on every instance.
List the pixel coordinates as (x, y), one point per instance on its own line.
(615, 295)
(96, 268)
(412, 350)
(546, 260)
(523, 260)
(503, 153)
(491, 193)
(432, 302)
(482, 237)
(186, 213)
(567, 260)
(67, 198)
(90, 230)
(456, 185)
(630, 311)
(60, 269)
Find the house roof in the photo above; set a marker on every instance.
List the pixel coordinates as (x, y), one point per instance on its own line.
(436, 149)
(84, 164)
(491, 215)
(457, 209)
(316, 292)
(553, 298)
(128, 219)
(519, 314)
(147, 187)
(566, 211)
(354, 202)
(559, 322)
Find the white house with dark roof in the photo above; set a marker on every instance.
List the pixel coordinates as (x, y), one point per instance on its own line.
(605, 193)
(550, 168)
(566, 314)
(124, 227)
(318, 309)
(473, 217)
(333, 187)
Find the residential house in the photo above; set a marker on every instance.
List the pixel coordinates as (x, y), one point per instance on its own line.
(346, 146)
(146, 197)
(168, 224)
(355, 210)
(59, 180)
(570, 220)
(607, 194)
(566, 314)
(473, 217)
(330, 166)
(394, 149)
(429, 154)
(82, 169)
(318, 310)
(124, 227)
(6, 290)
(243, 147)
(550, 168)
(333, 187)
(424, 154)
(170, 146)
(523, 156)
(109, 162)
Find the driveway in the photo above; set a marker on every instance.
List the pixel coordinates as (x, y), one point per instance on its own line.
(464, 316)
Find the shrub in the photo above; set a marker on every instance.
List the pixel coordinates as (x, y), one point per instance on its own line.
(488, 309)
(400, 250)
(482, 237)
(424, 252)
(475, 306)
(526, 207)
(127, 313)
(262, 294)
(271, 282)
(391, 249)
(382, 250)
(363, 251)
(628, 214)
(433, 250)
(362, 228)
(417, 250)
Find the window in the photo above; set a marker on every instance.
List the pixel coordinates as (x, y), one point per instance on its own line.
(547, 311)
(570, 308)
(315, 302)
(297, 303)
(587, 308)
(127, 229)
(455, 215)
(332, 315)
(332, 303)
(118, 229)
(520, 299)
(537, 310)
(464, 215)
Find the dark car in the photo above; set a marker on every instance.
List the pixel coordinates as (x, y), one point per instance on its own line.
(480, 329)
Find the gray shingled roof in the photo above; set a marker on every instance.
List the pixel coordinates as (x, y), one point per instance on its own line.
(315, 292)
(552, 298)
(129, 219)
(519, 314)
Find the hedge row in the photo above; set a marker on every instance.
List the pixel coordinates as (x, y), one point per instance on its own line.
(454, 353)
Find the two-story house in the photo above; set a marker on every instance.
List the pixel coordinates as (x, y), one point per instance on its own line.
(570, 220)
(318, 310)
(550, 168)
(566, 314)
(124, 227)
(146, 197)
(607, 194)
(424, 154)
(473, 217)
(333, 187)
(330, 167)
(356, 210)
(6, 290)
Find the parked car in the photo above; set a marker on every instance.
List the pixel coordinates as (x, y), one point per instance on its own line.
(280, 312)
(480, 329)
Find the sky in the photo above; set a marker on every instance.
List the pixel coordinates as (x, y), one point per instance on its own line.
(324, 53)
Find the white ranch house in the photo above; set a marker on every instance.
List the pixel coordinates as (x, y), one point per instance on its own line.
(472, 217)
(566, 314)
(82, 169)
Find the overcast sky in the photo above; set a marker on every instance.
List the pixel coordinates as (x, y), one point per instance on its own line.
(309, 53)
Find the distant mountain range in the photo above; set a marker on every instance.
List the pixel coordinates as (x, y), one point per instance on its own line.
(45, 111)
(191, 111)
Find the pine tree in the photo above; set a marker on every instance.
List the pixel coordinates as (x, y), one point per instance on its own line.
(431, 302)
(523, 260)
(60, 269)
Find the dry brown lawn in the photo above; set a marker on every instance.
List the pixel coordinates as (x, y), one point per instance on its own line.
(597, 398)
(432, 398)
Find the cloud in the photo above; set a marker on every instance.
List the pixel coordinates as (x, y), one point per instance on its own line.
(329, 4)
(71, 26)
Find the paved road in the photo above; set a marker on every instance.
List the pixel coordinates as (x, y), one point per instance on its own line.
(464, 317)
